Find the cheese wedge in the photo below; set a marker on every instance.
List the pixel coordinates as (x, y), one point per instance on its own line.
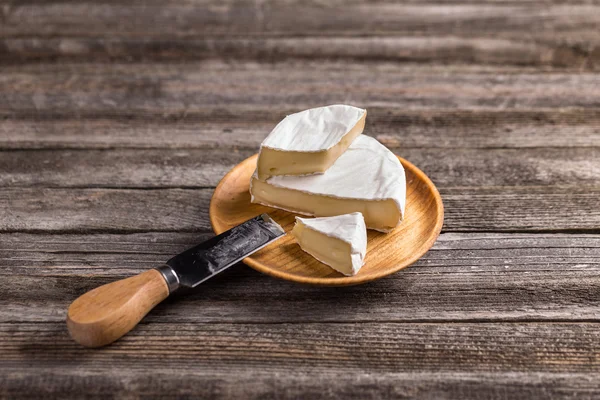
(310, 141)
(367, 178)
(340, 242)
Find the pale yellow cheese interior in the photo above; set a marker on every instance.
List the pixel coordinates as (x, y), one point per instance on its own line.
(382, 215)
(331, 251)
(273, 162)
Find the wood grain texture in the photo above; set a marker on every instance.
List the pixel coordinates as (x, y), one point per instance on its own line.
(154, 168)
(117, 118)
(316, 348)
(494, 208)
(374, 360)
(533, 33)
(101, 316)
(464, 277)
(527, 207)
(118, 210)
(256, 385)
(387, 252)
(204, 168)
(212, 129)
(180, 88)
(192, 18)
(582, 55)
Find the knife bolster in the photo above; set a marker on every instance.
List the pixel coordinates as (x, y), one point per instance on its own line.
(170, 277)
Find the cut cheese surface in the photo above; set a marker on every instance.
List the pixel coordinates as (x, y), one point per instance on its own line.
(367, 178)
(339, 242)
(310, 141)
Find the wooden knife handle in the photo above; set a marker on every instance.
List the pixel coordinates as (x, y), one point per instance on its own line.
(103, 315)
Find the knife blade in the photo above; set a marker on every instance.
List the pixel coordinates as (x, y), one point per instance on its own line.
(196, 265)
(103, 315)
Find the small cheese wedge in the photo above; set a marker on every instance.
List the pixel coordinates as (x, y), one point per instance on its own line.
(367, 178)
(340, 242)
(310, 141)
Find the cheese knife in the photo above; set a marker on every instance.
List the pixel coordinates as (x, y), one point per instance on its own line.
(104, 314)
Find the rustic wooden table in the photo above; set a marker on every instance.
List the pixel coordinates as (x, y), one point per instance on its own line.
(118, 118)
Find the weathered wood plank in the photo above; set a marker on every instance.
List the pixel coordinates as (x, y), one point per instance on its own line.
(204, 131)
(464, 277)
(247, 18)
(423, 49)
(202, 168)
(118, 168)
(527, 208)
(104, 210)
(189, 87)
(519, 33)
(513, 147)
(18, 382)
(211, 129)
(538, 208)
(317, 348)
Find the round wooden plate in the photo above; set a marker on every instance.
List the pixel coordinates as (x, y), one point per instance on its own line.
(386, 252)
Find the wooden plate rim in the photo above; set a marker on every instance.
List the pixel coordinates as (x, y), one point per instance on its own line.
(348, 280)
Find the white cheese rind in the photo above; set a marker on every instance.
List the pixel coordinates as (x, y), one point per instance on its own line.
(348, 228)
(366, 172)
(316, 129)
